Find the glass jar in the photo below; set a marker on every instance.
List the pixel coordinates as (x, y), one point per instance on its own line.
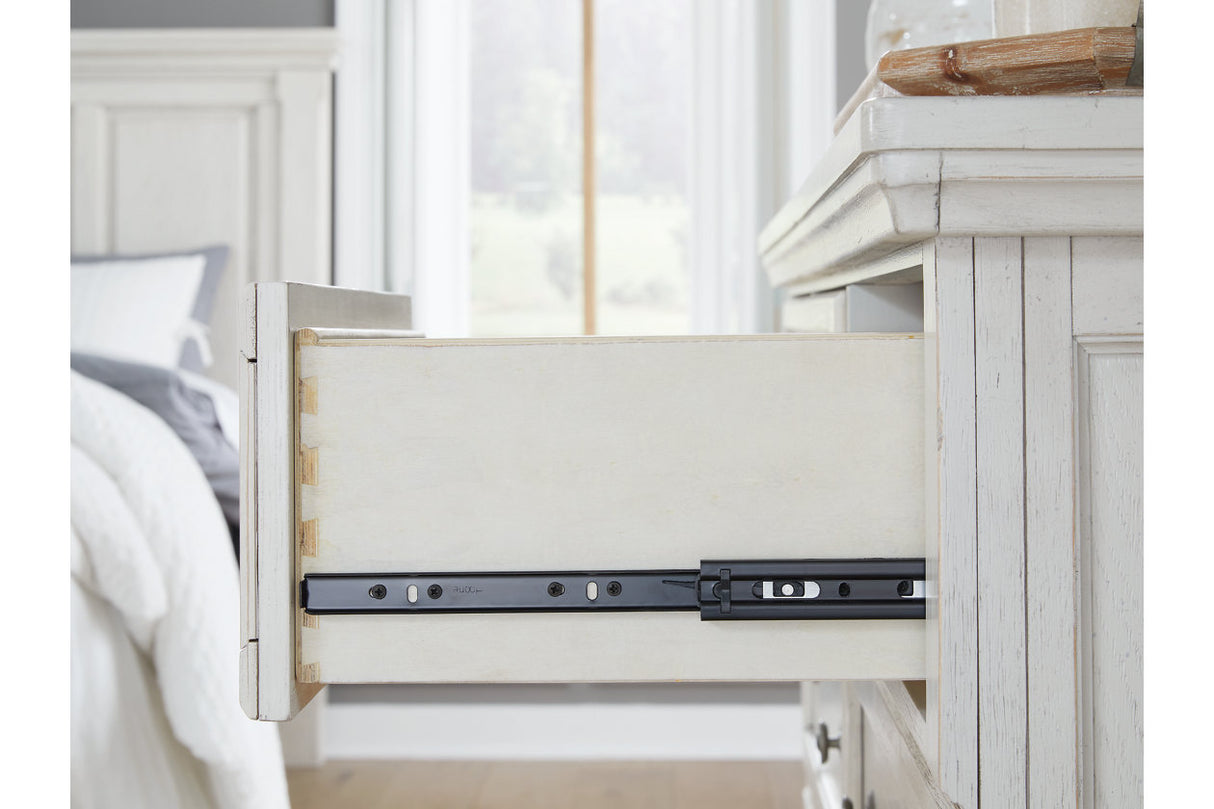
(897, 24)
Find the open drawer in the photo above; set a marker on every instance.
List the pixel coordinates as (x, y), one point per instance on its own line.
(369, 452)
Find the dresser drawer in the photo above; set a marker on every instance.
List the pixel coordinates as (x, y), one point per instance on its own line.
(434, 457)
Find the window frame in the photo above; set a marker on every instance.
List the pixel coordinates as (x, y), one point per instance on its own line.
(402, 191)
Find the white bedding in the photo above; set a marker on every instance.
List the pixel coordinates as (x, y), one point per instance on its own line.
(155, 714)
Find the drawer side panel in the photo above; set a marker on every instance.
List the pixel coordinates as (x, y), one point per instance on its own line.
(605, 454)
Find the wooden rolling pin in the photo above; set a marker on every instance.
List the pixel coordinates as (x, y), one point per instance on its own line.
(1083, 60)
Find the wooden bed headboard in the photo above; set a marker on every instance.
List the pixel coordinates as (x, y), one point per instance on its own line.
(185, 138)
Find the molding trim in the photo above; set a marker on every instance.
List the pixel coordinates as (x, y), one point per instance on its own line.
(242, 50)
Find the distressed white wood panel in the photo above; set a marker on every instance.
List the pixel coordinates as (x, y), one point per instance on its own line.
(991, 124)
(90, 184)
(268, 568)
(1078, 165)
(896, 772)
(1050, 553)
(999, 392)
(906, 169)
(887, 201)
(825, 703)
(248, 548)
(1107, 285)
(187, 138)
(1110, 525)
(185, 179)
(604, 453)
(951, 517)
(1043, 207)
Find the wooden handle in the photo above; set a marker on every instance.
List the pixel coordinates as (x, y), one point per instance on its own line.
(1086, 59)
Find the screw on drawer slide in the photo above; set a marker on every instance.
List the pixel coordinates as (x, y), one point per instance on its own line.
(719, 591)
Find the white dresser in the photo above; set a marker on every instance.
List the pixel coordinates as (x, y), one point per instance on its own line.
(1008, 230)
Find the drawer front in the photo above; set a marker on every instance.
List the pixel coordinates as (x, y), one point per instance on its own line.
(894, 770)
(831, 724)
(603, 454)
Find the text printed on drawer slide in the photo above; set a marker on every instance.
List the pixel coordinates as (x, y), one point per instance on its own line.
(719, 590)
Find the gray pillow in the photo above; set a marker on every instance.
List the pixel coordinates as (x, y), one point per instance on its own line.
(189, 412)
(216, 258)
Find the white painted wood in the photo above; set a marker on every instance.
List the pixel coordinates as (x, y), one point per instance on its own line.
(1050, 559)
(1107, 283)
(359, 150)
(895, 176)
(999, 386)
(896, 772)
(853, 749)
(608, 454)
(826, 781)
(268, 572)
(1012, 710)
(951, 517)
(185, 138)
(305, 737)
(248, 505)
(273, 512)
(1110, 528)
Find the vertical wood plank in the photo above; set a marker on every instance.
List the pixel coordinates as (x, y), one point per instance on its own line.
(248, 547)
(589, 287)
(1050, 561)
(305, 233)
(999, 395)
(263, 259)
(90, 180)
(274, 465)
(1110, 404)
(951, 517)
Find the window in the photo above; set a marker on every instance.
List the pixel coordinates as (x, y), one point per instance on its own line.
(579, 156)
(534, 170)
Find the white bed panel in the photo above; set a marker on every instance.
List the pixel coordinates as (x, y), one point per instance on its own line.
(187, 138)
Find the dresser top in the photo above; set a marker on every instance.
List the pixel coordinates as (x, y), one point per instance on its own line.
(903, 170)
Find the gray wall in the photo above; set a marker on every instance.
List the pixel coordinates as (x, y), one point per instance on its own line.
(201, 13)
(851, 17)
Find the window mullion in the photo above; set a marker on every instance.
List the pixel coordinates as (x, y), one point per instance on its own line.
(589, 294)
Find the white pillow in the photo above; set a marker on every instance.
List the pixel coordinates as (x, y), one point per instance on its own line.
(136, 309)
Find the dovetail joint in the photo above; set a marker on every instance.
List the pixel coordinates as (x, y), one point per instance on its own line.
(308, 462)
(310, 621)
(307, 395)
(308, 537)
(309, 673)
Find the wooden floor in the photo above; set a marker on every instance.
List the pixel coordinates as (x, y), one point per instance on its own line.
(538, 785)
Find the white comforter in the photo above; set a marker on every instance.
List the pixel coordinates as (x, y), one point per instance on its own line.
(155, 715)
